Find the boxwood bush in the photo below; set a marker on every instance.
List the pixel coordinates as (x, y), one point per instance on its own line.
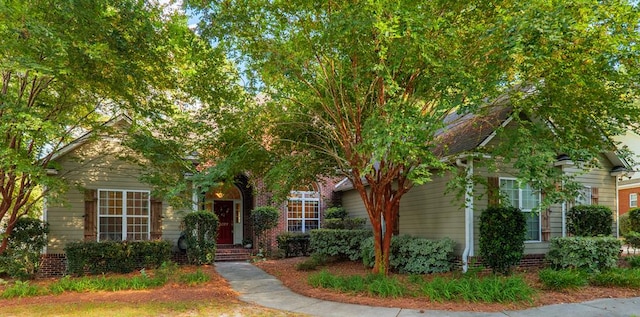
(592, 254)
(414, 255)
(589, 220)
(634, 219)
(115, 256)
(200, 230)
(341, 243)
(502, 235)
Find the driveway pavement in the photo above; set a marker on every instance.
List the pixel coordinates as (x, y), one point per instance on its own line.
(257, 287)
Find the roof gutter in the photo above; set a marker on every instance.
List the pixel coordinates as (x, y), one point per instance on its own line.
(468, 213)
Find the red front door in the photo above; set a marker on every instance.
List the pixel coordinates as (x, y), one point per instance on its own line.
(224, 211)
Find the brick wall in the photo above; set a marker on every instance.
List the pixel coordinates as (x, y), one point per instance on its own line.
(52, 265)
(623, 198)
(528, 261)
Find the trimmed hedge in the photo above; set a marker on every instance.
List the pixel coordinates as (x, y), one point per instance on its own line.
(589, 221)
(346, 223)
(634, 219)
(502, 236)
(293, 244)
(114, 256)
(413, 255)
(342, 243)
(592, 254)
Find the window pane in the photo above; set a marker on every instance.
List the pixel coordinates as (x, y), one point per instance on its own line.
(509, 189)
(294, 225)
(294, 209)
(312, 209)
(137, 203)
(633, 200)
(137, 228)
(533, 226)
(530, 198)
(110, 229)
(311, 224)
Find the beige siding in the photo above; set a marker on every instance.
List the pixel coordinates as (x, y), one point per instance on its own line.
(94, 166)
(425, 211)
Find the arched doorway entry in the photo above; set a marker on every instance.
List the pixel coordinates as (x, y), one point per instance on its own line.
(226, 201)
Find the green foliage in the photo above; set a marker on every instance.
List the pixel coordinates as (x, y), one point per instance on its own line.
(373, 284)
(634, 261)
(634, 219)
(68, 67)
(335, 213)
(293, 244)
(563, 279)
(346, 223)
(589, 220)
(502, 236)
(21, 259)
(161, 276)
(632, 239)
(624, 223)
(200, 229)
(490, 289)
(617, 277)
(414, 255)
(114, 256)
(22, 289)
(373, 81)
(197, 277)
(340, 243)
(263, 219)
(592, 254)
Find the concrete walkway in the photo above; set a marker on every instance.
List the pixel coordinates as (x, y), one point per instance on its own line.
(258, 287)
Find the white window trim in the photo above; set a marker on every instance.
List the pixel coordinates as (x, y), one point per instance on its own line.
(635, 205)
(304, 199)
(528, 211)
(124, 212)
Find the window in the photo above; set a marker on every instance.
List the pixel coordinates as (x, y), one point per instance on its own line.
(123, 215)
(633, 200)
(526, 199)
(584, 196)
(303, 211)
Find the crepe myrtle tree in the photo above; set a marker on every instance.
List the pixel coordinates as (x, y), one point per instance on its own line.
(68, 66)
(367, 89)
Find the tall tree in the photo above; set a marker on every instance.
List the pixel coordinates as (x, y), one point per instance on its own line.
(365, 89)
(67, 66)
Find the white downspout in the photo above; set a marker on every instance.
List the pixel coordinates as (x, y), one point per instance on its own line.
(617, 209)
(564, 219)
(468, 213)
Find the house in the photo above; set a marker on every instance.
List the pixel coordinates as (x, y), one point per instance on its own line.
(106, 200)
(629, 186)
(432, 212)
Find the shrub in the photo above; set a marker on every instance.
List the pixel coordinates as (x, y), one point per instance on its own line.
(589, 221)
(200, 230)
(414, 255)
(634, 219)
(617, 277)
(21, 259)
(563, 279)
(502, 236)
(625, 224)
(346, 223)
(113, 256)
(490, 289)
(634, 261)
(338, 242)
(632, 238)
(592, 254)
(263, 219)
(335, 213)
(293, 244)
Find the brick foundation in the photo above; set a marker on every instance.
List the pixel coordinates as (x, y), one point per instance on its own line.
(52, 265)
(528, 261)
